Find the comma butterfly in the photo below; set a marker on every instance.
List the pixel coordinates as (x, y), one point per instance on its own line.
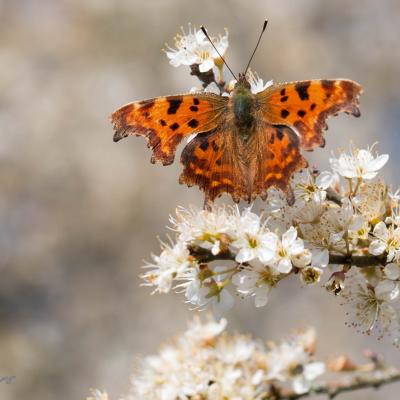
(246, 143)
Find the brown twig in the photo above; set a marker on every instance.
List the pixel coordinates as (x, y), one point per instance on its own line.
(358, 382)
(205, 77)
(205, 256)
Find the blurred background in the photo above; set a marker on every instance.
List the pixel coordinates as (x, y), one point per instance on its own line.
(78, 213)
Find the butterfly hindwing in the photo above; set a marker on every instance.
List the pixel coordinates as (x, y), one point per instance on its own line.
(305, 106)
(277, 158)
(165, 121)
(211, 161)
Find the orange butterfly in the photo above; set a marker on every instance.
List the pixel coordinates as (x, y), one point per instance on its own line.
(246, 143)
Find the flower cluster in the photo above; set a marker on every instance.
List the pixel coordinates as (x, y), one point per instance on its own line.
(262, 256)
(195, 50)
(343, 218)
(205, 362)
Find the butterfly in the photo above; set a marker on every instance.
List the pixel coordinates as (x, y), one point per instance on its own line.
(245, 143)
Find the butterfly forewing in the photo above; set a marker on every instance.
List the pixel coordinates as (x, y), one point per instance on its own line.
(165, 121)
(305, 106)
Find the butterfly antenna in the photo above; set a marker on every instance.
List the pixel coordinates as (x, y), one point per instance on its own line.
(258, 42)
(222, 58)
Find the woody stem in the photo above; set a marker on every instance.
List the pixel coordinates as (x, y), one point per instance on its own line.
(335, 388)
(360, 261)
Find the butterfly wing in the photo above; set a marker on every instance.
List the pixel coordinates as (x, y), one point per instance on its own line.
(165, 121)
(212, 161)
(306, 105)
(276, 158)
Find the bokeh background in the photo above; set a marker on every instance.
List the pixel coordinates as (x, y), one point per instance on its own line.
(78, 213)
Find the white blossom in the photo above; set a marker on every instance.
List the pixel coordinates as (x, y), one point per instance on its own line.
(256, 83)
(252, 240)
(392, 271)
(202, 227)
(256, 282)
(291, 360)
(372, 306)
(387, 240)
(194, 48)
(207, 363)
(358, 164)
(98, 395)
(172, 262)
(208, 291)
(290, 247)
(311, 188)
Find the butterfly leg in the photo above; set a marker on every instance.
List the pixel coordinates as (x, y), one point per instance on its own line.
(207, 205)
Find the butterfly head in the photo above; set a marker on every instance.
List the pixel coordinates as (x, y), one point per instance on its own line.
(242, 82)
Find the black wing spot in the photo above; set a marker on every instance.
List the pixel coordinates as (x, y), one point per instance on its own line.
(313, 105)
(204, 146)
(284, 98)
(174, 126)
(194, 108)
(302, 90)
(283, 92)
(196, 101)
(214, 146)
(193, 123)
(162, 122)
(301, 113)
(174, 105)
(284, 113)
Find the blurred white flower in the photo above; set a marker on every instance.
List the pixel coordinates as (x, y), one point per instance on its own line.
(371, 201)
(291, 361)
(302, 259)
(358, 164)
(302, 382)
(387, 240)
(202, 227)
(371, 307)
(319, 257)
(311, 188)
(194, 48)
(98, 395)
(171, 263)
(387, 290)
(207, 363)
(256, 83)
(257, 282)
(198, 332)
(392, 271)
(212, 88)
(210, 290)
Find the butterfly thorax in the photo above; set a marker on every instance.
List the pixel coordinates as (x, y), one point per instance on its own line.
(243, 104)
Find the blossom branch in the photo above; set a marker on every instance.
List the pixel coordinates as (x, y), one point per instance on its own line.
(333, 389)
(205, 256)
(205, 77)
(286, 370)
